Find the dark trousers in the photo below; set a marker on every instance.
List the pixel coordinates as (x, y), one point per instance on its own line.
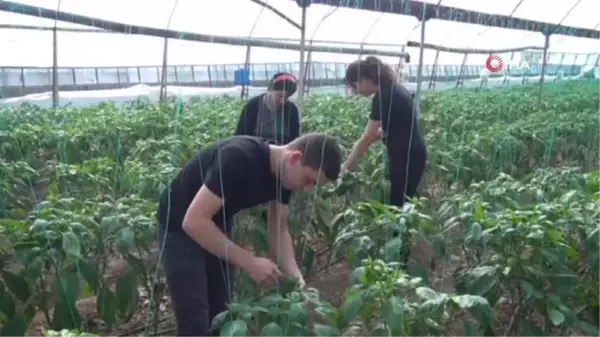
(405, 176)
(200, 284)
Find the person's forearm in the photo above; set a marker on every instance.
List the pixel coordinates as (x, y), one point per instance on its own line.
(282, 251)
(357, 152)
(214, 241)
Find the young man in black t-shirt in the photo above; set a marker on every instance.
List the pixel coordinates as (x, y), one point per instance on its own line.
(196, 217)
(272, 115)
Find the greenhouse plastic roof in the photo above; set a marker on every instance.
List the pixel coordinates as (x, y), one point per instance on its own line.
(244, 18)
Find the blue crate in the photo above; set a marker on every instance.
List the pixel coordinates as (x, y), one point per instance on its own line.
(241, 77)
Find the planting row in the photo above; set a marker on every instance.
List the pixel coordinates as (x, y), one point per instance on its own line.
(81, 185)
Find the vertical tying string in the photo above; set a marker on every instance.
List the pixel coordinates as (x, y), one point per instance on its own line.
(175, 162)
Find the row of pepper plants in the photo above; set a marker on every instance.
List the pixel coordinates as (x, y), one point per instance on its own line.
(80, 187)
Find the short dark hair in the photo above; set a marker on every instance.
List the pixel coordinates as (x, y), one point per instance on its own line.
(372, 69)
(321, 151)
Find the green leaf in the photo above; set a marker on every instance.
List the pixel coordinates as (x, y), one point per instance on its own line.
(125, 240)
(479, 213)
(272, 329)
(351, 307)
(235, 328)
(393, 315)
(219, 319)
(7, 303)
(106, 304)
(71, 244)
(474, 234)
(591, 329)
(127, 294)
(392, 250)
(287, 285)
(17, 285)
(470, 301)
(477, 281)
(527, 288)
(555, 316)
(66, 292)
(15, 326)
(357, 275)
(89, 273)
(325, 330)
(427, 293)
(39, 225)
(297, 313)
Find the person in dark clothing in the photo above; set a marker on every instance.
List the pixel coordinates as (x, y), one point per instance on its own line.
(271, 115)
(196, 213)
(392, 120)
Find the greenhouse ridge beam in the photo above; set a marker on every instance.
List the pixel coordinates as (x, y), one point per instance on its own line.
(414, 44)
(415, 8)
(469, 50)
(119, 27)
(408, 44)
(58, 29)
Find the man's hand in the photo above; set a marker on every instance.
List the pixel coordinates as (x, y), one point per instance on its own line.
(380, 133)
(301, 282)
(343, 169)
(263, 271)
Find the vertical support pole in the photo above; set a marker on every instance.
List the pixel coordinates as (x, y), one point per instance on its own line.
(307, 67)
(163, 75)
(508, 68)
(22, 80)
(118, 78)
(560, 74)
(574, 66)
(423, 20)
(245, 89)
(434, 70)
(301, 84)
(55, 83)
(400, 68)
(461, 72)
(3, 83)
(544, 62)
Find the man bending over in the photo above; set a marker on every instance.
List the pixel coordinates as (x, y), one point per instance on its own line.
(196, 218)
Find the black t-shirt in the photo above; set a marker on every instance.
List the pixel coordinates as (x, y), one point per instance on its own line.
(393, 107)
(237, 169)
(280, 126)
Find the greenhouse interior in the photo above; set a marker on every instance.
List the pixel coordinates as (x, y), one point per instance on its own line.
(107, 113)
